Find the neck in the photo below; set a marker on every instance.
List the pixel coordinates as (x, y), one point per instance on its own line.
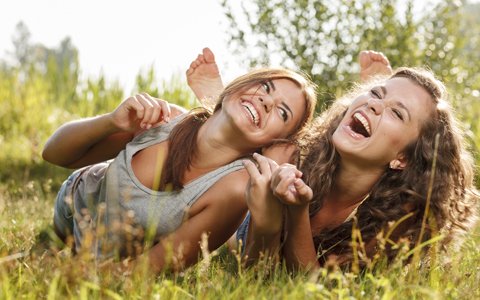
(218, 143)
(353, 184)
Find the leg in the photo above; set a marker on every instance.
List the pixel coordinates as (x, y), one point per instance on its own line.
(203, 76)
(373, 63)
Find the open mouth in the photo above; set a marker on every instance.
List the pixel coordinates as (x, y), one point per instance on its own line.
(360, 125)
(253, 112)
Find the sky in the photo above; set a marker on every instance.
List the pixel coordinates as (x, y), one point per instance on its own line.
(120, 38)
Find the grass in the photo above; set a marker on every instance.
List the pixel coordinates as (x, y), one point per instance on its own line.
(33, 266)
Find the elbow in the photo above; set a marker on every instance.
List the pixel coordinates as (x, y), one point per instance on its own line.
(50, 156)
(46, 155)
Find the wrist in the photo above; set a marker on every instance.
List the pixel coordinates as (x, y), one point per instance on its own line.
(297, 211)
(265, 227)
(111, 124)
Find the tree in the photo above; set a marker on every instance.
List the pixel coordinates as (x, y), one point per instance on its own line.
(323, 38)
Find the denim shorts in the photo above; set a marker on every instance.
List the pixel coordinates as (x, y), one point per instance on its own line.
(63, 209)
(242, 231)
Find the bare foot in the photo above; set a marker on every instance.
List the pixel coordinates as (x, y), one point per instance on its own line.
(204, 78)
(373, 63)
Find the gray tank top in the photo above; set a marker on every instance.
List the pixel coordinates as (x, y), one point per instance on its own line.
(110, 194)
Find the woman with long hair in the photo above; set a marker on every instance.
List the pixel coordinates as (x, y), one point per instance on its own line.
(151, 179)
(388, 159)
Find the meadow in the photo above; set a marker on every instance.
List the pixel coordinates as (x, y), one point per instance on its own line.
(35, 265)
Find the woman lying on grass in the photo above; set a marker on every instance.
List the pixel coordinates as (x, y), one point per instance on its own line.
(389, 157)
(152, 180)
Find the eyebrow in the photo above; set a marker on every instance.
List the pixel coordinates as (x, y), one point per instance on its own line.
(272, 86)
(398, 103)
(287, 108)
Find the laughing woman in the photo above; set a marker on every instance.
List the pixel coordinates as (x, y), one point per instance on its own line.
(389, 152)
(150, 174)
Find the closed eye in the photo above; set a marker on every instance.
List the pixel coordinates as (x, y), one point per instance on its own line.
(398, 114)
(266, 87)
(283, 114)
(376, 93)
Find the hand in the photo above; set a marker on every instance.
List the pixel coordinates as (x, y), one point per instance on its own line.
(288, 186)
(140, 112)
(266, 211)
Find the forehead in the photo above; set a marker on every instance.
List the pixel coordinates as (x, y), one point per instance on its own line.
(414, 97)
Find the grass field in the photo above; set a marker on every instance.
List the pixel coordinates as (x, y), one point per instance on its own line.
(33, 266)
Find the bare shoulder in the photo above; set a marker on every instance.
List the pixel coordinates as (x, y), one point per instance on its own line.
(231, 187)
(227, 194)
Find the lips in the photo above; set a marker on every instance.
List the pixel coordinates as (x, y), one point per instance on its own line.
(250, 108)
(360, 125)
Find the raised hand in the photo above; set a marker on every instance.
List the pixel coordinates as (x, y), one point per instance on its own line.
(140, 112)
(265, 209)
(288, 186)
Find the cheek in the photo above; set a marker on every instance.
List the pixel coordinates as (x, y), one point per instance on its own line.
(401, 139)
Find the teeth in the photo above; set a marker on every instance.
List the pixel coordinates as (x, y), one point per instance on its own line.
(253, 112)
(364, 121)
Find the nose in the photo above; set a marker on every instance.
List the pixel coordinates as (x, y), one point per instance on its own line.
(267, 102)
(376, 105)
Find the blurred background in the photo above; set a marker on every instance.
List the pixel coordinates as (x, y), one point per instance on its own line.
(62, 60)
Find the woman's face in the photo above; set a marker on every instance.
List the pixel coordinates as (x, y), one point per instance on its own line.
(266, 111)
(379, 124)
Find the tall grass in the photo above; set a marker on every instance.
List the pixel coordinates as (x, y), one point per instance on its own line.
(32, 270)
(33, 264)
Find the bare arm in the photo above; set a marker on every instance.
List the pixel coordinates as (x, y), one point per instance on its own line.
(91, 140)
(298, 250)
(266, 212)
(220, 217)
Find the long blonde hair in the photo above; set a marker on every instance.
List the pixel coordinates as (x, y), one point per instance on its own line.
(183, 137)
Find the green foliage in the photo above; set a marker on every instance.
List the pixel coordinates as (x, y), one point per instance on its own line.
(40, 89)
(324, 38)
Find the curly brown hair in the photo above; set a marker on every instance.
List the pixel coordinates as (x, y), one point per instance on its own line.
(440, 151)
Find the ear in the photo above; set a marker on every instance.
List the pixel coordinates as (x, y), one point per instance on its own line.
(399, 163)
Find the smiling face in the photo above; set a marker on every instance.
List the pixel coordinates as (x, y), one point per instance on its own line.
(270, 110)
(379, 124)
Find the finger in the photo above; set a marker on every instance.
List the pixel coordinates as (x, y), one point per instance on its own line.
(273, 165)
(147, 110)
(304, 192)
(285, 186)
(251, 168)
(131, 103)
(286, 194)
(165, 110)
(263, 164)
(283, 172)
(156, 110)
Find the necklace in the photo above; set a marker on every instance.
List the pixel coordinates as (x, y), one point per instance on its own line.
(354, 212)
